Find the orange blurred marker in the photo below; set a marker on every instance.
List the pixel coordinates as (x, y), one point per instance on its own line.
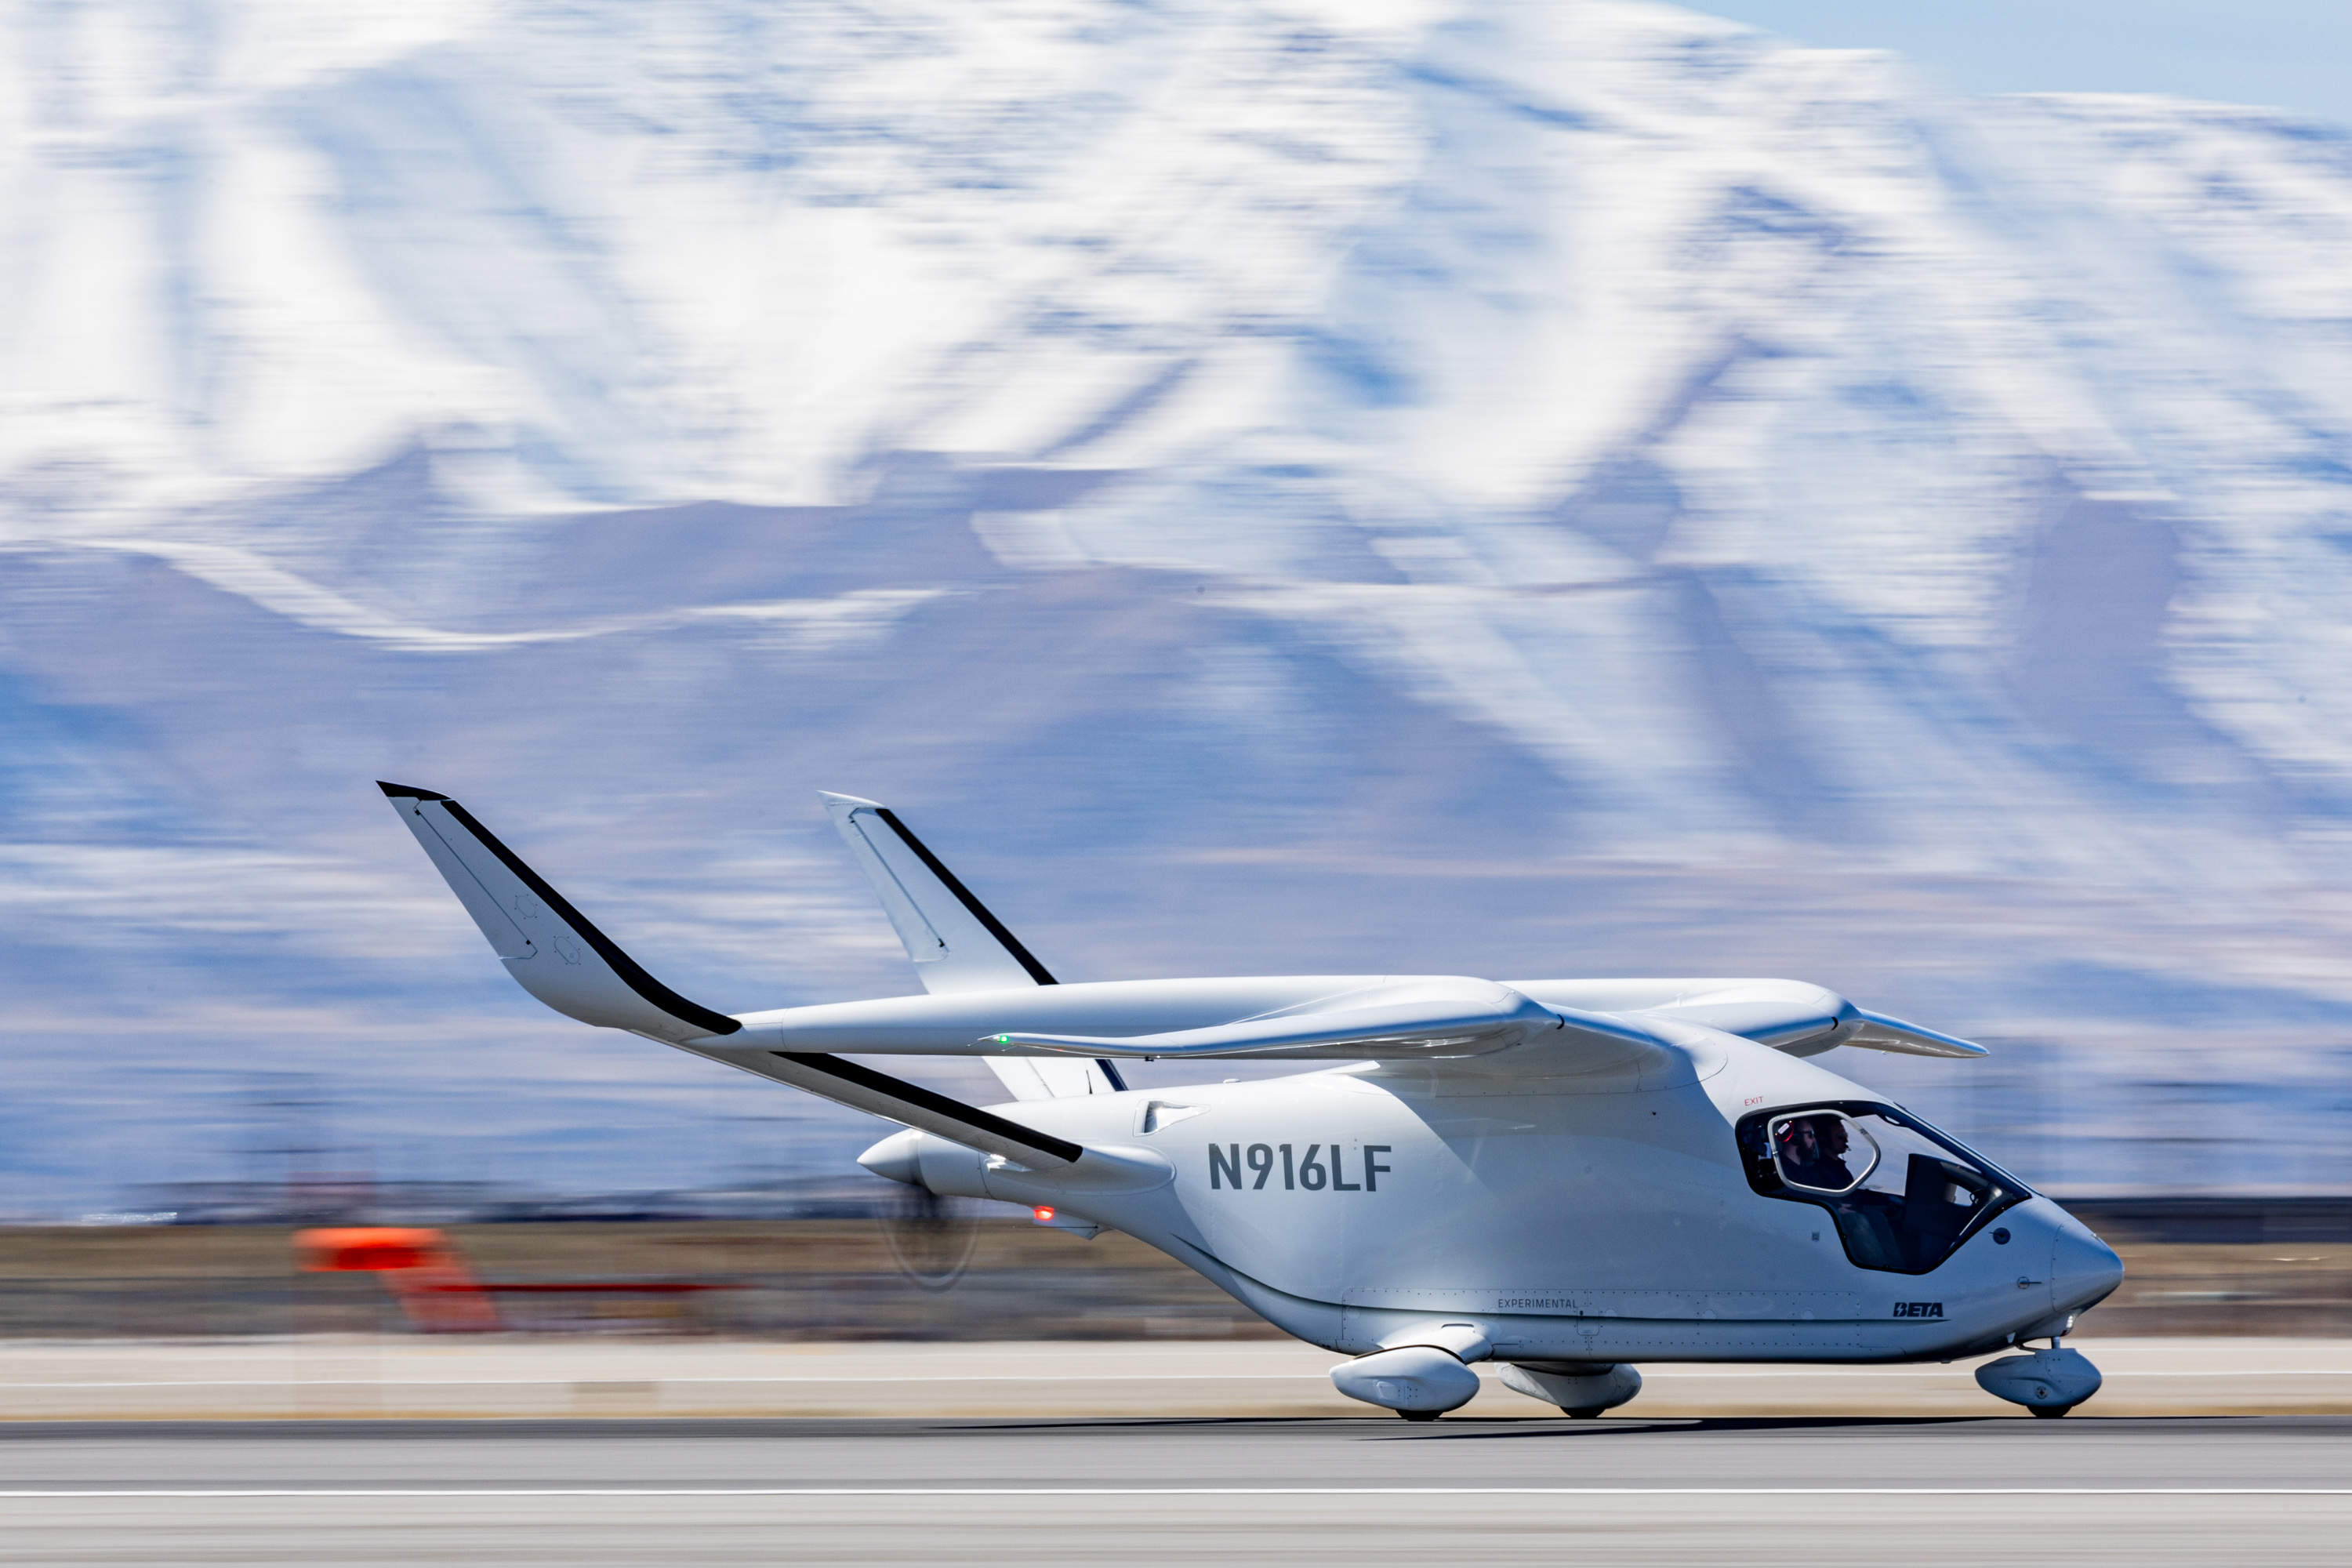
(434, 1289)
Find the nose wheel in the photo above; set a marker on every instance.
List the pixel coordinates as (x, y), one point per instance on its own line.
(2048, 1383)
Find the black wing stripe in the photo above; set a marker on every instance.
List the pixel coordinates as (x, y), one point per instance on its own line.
(631, 973)
(922, 1099)
(995, 927)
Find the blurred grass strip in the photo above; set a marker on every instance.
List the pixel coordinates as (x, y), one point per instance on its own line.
(836, 1280)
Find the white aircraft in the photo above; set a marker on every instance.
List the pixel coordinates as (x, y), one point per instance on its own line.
(1564, 1177)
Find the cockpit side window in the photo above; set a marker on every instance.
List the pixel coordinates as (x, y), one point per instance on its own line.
(1903, 1196)
(1819, 1152)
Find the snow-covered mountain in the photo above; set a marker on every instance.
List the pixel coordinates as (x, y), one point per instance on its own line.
(1569, 488)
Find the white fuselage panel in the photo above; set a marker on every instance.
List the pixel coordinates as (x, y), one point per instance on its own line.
(1574, 1220)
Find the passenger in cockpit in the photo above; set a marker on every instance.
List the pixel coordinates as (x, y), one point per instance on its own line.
(1812, 1153)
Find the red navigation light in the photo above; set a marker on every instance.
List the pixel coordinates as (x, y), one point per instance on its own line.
(1044, 1213)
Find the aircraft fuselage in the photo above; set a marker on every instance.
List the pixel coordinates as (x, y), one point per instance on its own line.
(1594, 1218)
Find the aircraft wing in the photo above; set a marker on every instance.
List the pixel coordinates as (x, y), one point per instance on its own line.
(1473, 1018)
(562, 958)
(855, 1084)
(953, 941)
(1791, 1015)
(546, 944)
(1481, 1020)
(1880, 1033)
(1564, 1027)
(955, 944)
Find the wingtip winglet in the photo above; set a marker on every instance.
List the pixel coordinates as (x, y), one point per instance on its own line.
(1880, 1032)
(832, 798)
(499, 891)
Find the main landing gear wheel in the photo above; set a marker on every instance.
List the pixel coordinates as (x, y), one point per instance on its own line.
(1591, 1413)
(1421, 1414)
(2050, 1412)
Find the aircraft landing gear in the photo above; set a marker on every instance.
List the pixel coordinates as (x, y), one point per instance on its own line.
(2048, 1383)
(1419, 1382)
(1581, 1389)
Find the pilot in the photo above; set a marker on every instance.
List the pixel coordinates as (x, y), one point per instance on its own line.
(1812, 1153)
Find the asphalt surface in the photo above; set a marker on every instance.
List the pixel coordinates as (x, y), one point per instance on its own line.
(1373, 1491)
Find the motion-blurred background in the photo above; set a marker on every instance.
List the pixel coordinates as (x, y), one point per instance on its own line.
(1515, 489)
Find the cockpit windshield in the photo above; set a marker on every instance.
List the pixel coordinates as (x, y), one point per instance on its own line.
(1903, 1196)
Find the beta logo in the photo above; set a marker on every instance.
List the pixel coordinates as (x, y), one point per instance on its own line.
(1918, 1309)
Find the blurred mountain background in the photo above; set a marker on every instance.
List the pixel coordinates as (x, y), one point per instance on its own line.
(1509, 489)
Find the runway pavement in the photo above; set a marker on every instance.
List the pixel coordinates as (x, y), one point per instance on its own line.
(1764, 1491)
(494, 1376)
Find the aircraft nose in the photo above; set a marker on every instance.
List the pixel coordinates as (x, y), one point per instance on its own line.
(2084, 1270)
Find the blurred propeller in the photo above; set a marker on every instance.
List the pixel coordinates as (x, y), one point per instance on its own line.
(931, 1243)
